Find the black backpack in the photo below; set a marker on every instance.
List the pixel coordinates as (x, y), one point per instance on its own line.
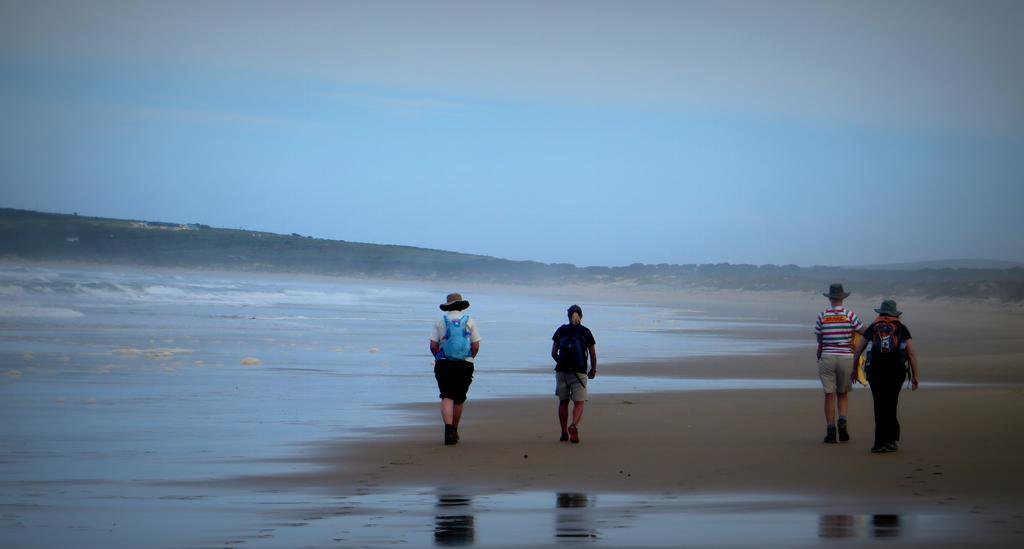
(887, 337)
(886, 345)
(572, 351)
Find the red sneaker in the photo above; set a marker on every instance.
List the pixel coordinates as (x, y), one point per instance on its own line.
(574, 434)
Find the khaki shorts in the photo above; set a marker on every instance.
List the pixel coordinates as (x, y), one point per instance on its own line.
(571, 386)
(834, 372)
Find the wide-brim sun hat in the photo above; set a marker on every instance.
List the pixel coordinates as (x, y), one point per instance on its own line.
(836, 291)
(888, 308)
(454, 303)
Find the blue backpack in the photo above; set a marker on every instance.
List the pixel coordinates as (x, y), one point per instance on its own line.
(455, 345)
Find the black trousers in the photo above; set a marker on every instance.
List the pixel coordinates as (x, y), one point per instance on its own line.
(886, 382)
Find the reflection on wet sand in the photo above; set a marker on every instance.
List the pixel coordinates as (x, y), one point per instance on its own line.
(837, 526)
(569, 521)
(885, 526)
(850, 526)
(453, 524)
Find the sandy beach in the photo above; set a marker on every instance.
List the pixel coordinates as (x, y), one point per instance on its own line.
(132, 413)
(959, 448)
(960, 452)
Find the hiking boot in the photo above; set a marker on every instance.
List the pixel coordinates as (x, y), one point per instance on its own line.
(879, 449)
(450, 436)
(574, 434)
(892, 447)
(844, 435)
(830, 436)
(564, 437)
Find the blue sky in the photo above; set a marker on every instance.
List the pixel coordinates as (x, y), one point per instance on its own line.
(594, 133)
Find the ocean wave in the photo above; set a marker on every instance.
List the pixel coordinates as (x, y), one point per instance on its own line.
(30, 311)
(144, 287)
(160, 353)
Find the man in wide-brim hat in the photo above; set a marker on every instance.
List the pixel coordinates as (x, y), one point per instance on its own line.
(454, 303)
(455, 342)
(835, 291)
(834, 330)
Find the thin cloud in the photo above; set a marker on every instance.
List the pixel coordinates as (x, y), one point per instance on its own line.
(920, 64)
(19, 107)
(410, 107)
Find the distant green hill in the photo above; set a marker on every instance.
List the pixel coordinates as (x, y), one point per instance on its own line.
(61, 237)
(35, 236)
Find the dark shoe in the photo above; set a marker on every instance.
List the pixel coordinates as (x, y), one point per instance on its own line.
(892, 447)
(844, 435)
(456, 429)
(830, 436)
(881, 449)
(450, 437)
(564, 437)
(574, 434)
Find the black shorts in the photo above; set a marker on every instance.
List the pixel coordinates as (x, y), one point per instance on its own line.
(453, 378)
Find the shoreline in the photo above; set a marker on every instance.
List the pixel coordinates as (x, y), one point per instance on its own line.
(764, 441)
(612, 291)
(278, 447)
(958, 450)
(943, 465)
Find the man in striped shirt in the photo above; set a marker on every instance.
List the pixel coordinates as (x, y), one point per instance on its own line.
(834, 330)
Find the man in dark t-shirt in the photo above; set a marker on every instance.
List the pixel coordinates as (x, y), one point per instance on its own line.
(892, 347)
(573, 347)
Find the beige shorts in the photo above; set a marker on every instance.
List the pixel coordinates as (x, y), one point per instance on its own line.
(834, 372)
(571, 386)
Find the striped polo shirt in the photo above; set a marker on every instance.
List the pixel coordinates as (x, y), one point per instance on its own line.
(836, 326)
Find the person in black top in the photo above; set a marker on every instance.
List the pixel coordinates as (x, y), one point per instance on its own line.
(891, 348)
(572, 347)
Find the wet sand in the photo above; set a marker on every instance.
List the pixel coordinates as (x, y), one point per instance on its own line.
(959, 448)
(260, 460)
(960, 453)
